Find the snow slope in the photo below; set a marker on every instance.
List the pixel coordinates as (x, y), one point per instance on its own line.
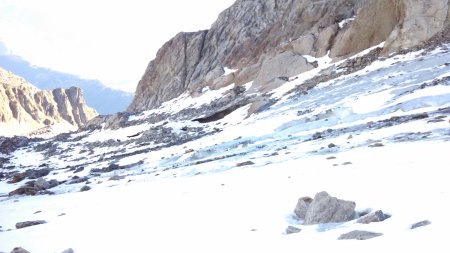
(379, 137)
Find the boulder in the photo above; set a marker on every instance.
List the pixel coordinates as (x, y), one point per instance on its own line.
(25, 190)
(420, 224)
(41, 184)
(25, 224)
(85, 188)
(19, 250)
(376, 216)
(285, 65)
(302, 207)
(359, 235)
(292, 230)
(327, 209)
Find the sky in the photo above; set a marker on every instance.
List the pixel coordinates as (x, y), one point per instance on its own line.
(109, 40)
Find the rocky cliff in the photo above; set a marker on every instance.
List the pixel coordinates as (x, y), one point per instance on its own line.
(24, 108)
(265, 41)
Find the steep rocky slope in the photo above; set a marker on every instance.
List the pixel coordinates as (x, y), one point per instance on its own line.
(266, 41)
(25, 109)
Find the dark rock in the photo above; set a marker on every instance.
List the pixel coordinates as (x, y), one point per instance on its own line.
(111, 167)
(292, 230)
(85, 188)
(244, 163)
(331, 145)
(376, 216)
(331, 158)
(35, 174)
(376, 145)
(79, 169)
(420, 224)
(25, 224)
(77, 180)
(19, 250)
(359, 235)
(327, 209)
(53, 183)
(302, 207)
(116, 178)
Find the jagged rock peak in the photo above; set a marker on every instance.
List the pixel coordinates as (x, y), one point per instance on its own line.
(25, 109)
(264, 40)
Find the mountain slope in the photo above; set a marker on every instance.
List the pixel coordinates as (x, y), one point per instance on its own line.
(222, 169)
(373, 136)
(105, 100)
(255, 37)
(25, 109)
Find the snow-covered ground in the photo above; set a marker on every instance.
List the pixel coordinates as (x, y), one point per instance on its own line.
(195, 196)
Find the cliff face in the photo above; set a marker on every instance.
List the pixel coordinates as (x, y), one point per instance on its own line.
(267, 39)
(24, 108)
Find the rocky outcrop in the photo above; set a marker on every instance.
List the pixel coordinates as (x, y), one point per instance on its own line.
(24, 108)
(264, 41)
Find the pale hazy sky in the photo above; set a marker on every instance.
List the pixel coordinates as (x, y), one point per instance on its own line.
(109, 40)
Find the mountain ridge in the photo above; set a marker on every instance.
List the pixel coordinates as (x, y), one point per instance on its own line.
(25, 109)
(105, 100)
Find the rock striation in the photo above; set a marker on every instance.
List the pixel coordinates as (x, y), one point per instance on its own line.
(266, 42)
(25, 109)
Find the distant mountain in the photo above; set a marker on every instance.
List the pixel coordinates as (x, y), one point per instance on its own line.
(105, 100)
(27, 110)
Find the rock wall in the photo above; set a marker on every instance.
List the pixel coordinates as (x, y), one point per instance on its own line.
(265, 40)
(22, 104)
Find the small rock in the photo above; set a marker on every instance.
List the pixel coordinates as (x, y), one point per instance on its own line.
(17, 178)
(327, 209)
(61, 214)
(187, 151)
(41, 184)
(376, 216)
(331, 158)
(302, 206)
(347, 163)
(420, 224)
(85, 188)
(244, 163)
(359, 235)
(37, 212)
(331, 145)
(376, 145)
(35, 174)
(25, 224)
(116, 178)
(69, 250)
(292, 230)
(19, 250)
(79, 169)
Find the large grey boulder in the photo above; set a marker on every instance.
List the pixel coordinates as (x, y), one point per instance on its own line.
(41, 184)
(327, 209)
